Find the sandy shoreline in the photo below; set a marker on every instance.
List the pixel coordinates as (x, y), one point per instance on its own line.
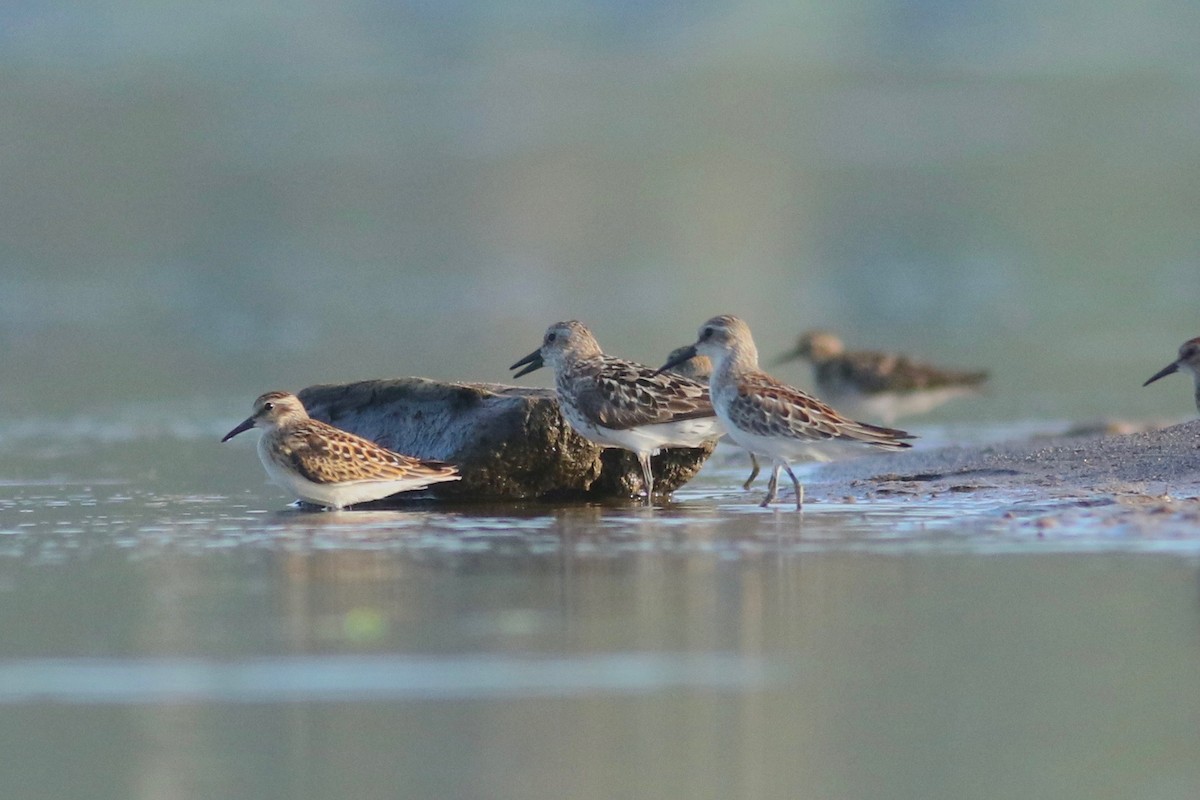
(1148, 479)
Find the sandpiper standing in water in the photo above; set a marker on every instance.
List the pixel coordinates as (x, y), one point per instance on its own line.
(768, 417)
(885, 386)
(326, 466)
(619, 403)
(1188, 361)
(699, 368)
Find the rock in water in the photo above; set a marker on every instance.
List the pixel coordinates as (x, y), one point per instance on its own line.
(508, 442)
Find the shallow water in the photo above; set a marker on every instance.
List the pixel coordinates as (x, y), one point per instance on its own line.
(173, 628)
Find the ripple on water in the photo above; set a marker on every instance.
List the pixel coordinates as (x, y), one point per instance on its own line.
(344, 679)
(44, 520)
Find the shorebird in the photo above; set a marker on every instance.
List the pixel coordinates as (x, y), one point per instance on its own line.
(619, 403)
(696, 367)
(879, 385)
(699, 368)
(1188, 361)
(327, 466)
(768, 417)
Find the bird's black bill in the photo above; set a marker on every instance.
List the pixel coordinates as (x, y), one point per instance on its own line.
(1169, 369)
(246, 425)
(789, 356)
(534, 362)
(680, 357)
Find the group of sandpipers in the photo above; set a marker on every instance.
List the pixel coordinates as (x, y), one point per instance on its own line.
(705, 390)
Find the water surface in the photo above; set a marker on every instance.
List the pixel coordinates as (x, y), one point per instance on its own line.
(176, 629)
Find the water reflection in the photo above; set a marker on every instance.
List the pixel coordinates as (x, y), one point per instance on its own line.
(356, 679)
(505, 674)
(223, 639)
(50, 520)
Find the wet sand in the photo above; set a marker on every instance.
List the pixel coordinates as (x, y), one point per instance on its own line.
(1149, 479)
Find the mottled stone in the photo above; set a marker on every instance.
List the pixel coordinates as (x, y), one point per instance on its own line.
(509, 442)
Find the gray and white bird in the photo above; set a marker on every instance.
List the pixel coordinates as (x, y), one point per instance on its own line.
(884, 386)
(768, 417)
(699, 368)
(619, 403)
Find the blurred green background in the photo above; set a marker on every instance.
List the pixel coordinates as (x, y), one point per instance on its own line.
(212, 200)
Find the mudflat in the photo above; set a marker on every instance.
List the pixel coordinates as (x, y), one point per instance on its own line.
(1149, 479)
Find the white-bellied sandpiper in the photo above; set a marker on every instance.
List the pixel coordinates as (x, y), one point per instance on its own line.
(326, 466)
(883, 386)
(699, 368)
(619, 403)
(768, 417)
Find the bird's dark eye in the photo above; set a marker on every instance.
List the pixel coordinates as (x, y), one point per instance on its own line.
(708, 332)
(550, 337)
(268, 406)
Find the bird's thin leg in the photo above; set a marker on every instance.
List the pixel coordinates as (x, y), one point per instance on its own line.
(753, 472)
(772, 486)
(647, 477)
(795, 483)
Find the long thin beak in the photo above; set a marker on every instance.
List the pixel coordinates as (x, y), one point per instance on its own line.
(534, 360)
(790, 355)
(246, 425)
(1164, 372)
(680, 357)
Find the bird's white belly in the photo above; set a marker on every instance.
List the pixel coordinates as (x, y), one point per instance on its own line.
(651, 438)
(776, 448)
(646, 438)
(786, 448)
(336, 495)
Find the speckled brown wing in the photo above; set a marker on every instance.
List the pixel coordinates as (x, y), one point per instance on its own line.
(324, 454)
(767, 407)
(874, 372)
(621, 394)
